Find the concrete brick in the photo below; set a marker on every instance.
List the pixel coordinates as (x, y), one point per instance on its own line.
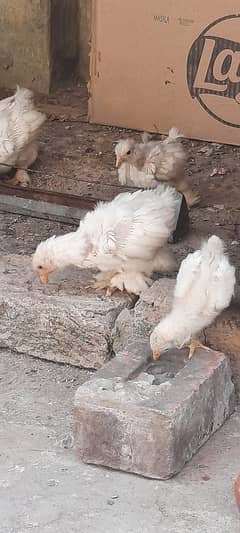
(61, 322)
(124, 421)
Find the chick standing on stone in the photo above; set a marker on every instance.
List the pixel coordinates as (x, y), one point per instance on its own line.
(147, 163)
(204, 288)
(126, 239)
(20, 124)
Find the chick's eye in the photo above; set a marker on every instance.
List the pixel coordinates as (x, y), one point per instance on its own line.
(128, 152)
(40, 267)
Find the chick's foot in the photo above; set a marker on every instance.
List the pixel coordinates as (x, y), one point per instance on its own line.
(21, 178)
(194, 344)
(191, 198)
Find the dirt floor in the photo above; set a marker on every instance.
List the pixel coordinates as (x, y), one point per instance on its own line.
(78, 158)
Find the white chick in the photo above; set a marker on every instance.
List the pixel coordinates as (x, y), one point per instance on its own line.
(126, 239)
(147, 163)
(20, 123)
(204, 288)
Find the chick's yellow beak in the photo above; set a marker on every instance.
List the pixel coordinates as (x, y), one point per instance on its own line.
(119, 161)
(43, 276)
(156, 356)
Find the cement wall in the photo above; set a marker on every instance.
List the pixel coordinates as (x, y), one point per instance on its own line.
(64, 41)
(84, 38)
(24, 45)
(44, 43)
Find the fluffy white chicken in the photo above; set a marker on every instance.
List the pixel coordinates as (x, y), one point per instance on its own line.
(147, 163)
(204, 288)
(126, 239)
(20, 123)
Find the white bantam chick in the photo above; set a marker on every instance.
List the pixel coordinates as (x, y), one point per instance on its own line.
(20, 123)
(204, 288)
(126, 239)
(145, 164)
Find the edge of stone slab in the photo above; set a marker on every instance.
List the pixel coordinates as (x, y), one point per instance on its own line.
(63, 322)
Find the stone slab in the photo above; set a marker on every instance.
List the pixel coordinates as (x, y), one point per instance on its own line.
(126, 422)
(40, 209)
(63, 322)
(223, 335)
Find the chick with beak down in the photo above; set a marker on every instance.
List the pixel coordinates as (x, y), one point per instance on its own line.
(43, 275)
(159, 343)
(58, 252)
(43, 260)
(204, 288)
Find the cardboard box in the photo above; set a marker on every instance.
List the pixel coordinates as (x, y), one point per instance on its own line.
(162, 63)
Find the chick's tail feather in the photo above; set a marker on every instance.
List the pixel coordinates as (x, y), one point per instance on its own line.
(214, 246)
(174, 134)
(23, 95)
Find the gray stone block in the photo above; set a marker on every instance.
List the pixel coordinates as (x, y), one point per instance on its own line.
(62, 322)
(153, 304)
(124, 421)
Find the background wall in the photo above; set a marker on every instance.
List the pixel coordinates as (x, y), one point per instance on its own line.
(44, 43)
(24, 44)
(84, 38)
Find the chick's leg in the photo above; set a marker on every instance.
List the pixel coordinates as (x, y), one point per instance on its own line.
(164, 261)
(194, 344)
(183, 187)
(26, 158)
(114, 291)
(192, 199)
(132, 282)
(102, 281)
(21, 178)
(28, 155)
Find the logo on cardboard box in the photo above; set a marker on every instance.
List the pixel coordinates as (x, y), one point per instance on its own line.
(213, 70)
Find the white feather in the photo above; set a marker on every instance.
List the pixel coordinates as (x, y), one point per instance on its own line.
(126, 236)
(19, 126)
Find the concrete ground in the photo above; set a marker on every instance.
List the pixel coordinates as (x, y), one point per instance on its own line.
(45, 489)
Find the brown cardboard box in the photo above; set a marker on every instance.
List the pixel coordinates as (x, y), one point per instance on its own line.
(162, 63)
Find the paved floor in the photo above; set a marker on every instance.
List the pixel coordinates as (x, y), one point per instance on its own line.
(44, 489)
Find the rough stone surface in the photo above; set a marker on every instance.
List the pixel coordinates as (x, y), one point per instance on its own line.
(152, 306)
(124, 421)
(223, 335)
(62, 322)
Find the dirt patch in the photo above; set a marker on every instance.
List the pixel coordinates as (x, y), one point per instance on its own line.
(78, 158)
